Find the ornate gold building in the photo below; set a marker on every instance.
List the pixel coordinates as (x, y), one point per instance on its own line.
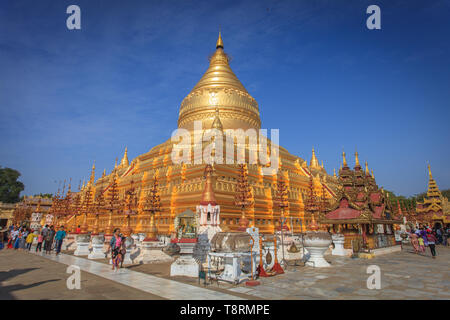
(435, 207)
(220, 101)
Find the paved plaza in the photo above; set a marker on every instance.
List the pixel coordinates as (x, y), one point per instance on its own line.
(404, 275)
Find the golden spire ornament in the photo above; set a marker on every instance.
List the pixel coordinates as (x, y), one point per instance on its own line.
(429, 172)
(217, 124)
(367, 169)
(357, 160)
(314, 163)
(219, 43)
(92, 179)
(344, 161)
(124, 162)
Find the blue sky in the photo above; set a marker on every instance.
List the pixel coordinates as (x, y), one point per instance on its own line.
(318, 74)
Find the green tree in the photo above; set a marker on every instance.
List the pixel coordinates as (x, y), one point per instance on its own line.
(10, 188)
(44, 195)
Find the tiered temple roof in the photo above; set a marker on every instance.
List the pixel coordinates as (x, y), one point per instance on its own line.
(432, 206)
(359, 200)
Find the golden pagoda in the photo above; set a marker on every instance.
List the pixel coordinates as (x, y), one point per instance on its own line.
(219, 101)
(434, 207)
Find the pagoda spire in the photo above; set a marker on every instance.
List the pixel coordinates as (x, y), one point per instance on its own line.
(344, 161)
(124, 162)
(92, 179)
(433, 189)
(104, 173)
(217, 124)
(429, 172)
(208, 195)
(314, 163)
(357, 165)
(219, 43)
(334, 172)
(373, 176)
(367, 170)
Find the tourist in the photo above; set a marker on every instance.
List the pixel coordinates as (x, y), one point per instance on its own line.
(44, 231)
(447, 236)
(114, 245)
(49, 240)
(3, 238)
(414, 241)
(39, 243)
(59, 237)
(23, 239)
(123, 251)
(421, 244)
(432, 243)
(423, 235)
(11, 238)
(29, 240)
(17, 237)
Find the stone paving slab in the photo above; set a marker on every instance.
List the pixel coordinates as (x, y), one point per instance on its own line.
(26, 276)
(404, 275)
(165, 288)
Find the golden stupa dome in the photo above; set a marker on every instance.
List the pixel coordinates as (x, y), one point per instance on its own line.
(219, 88)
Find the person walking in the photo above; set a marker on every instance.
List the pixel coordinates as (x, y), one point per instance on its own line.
(114, 246)
(123, 251)
(23, 239)
(59, 237)
(432, 243)
(49, 240)
(39, 242)
(29, 240)
(17, 239)
(423, 235)
(447, 236)
(11, 239)
(414, 241)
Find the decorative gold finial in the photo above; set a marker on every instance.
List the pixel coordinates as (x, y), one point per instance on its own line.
(217, 124)
(124, 162)
(322, 164)
(104, 173)
(429, 172)
(334, 172)
(208, 195)
(372, 173)
(344, 161)
(314, 163)
(91, 181)
(219, 43)
(367, 169)
(115, 164)
(357, 160)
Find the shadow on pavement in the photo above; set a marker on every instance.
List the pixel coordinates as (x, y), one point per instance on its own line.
(6, 291)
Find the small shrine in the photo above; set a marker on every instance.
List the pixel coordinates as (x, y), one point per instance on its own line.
(363, 213)
(209, 211)
(186, 226)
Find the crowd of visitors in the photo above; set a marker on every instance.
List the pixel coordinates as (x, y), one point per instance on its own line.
(22, 238)
(48, 239)
(425, 236)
